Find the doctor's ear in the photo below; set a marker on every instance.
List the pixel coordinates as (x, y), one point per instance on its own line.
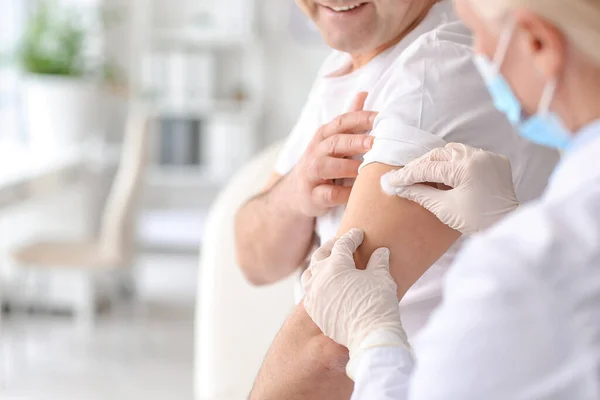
(543, 41)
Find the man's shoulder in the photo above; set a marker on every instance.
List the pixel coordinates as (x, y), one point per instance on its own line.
(439, 60)
(452, 33)
(438, 56)
(451, 40)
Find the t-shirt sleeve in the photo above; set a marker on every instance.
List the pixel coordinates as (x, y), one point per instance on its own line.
(434, 96)
(397, 144)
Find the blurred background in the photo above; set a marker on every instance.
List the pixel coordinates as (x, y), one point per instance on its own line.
(121, 121)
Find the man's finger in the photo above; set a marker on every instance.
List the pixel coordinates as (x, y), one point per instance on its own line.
(353, 122)
(326, 168)
(348, 243)
(359, 102)
(328, 196)
(346, 145)
(426, 172)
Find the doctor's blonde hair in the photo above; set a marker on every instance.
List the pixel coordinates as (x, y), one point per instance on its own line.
(579, 20)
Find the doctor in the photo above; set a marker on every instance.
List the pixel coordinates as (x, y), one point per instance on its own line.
(521, 313)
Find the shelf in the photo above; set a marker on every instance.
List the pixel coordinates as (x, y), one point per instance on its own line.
(182, 176)
(205, 109)
(193, 38)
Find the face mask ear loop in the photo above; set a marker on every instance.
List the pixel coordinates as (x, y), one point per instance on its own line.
(503, 44)
(547, 97)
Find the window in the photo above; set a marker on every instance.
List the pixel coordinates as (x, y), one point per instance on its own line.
(12, 20)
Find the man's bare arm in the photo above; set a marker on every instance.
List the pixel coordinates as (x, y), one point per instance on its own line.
(274, 231)
(271, 239)
(416, 238)
(303, 364)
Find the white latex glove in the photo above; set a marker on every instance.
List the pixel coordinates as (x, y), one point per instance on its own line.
(482, 194)
(357, 309)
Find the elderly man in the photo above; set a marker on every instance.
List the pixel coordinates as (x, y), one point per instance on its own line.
(414, 59)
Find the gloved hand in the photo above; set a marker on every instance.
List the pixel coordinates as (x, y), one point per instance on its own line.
(482, 194)
(357, 309)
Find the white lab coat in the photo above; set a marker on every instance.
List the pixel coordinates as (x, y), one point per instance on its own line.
(521, 312)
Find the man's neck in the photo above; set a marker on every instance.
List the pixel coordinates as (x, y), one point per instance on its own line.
(583, 106)
(360, 60)
(587, 117)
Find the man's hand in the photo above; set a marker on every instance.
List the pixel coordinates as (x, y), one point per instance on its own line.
(283, 216)
(303, 364)
(327, 158)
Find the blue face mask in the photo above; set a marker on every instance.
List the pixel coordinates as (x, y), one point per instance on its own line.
(544, 127)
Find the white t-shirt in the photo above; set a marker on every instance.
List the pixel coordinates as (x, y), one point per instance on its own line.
(428, 93)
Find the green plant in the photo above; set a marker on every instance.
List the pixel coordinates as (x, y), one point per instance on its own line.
(53, 43)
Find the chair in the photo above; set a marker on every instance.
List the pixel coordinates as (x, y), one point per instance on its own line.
(235, 322)
(80, 276)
